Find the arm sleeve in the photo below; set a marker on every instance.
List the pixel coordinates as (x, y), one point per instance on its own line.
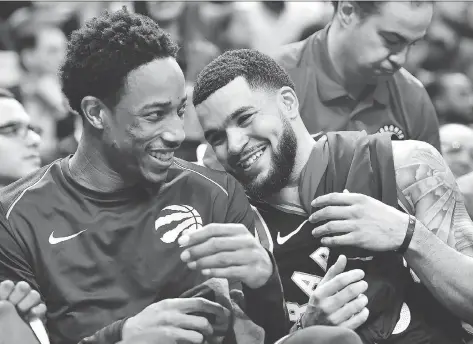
(265, 305)
(14, 262)
(427, 124)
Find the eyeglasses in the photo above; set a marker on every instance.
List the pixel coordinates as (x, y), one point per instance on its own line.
(19, 130)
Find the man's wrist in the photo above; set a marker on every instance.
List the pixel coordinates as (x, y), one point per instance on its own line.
(408, 236)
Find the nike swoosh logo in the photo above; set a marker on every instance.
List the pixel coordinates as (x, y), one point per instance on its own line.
(365, 259)
(54, 241)
(281, 240)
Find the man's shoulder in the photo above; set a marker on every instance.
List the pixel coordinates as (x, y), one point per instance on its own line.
(34, 188)
(196, 175)
(416, 152)
(409, 86)
(291, 56)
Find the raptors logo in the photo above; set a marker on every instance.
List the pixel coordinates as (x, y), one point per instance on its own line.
(396, 133)
(175, 219)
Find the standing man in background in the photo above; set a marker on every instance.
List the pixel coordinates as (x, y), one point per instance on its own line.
(349, 75)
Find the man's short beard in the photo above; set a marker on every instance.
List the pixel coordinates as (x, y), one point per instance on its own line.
(282, 165)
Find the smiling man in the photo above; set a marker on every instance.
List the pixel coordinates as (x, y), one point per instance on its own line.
(250, 116)
(349, 76)
(96, 233)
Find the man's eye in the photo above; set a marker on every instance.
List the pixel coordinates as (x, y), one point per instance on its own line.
(181, 111)
(216, 139)
(244, 119)
(154, 116)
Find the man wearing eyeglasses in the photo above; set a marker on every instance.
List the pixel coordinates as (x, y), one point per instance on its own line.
(19, 141)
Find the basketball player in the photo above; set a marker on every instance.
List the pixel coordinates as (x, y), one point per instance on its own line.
(96, 233)
(349, 75)
(249, 112)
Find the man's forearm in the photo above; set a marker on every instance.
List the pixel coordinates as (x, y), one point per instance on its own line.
(448, 274)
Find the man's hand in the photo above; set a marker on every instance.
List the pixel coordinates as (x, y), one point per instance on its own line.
(227, 251)
(338, 300)
(174, 320)
(26, 300)
(359, 220)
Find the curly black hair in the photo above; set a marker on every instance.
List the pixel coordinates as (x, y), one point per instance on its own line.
(258, 69)
(105, 50)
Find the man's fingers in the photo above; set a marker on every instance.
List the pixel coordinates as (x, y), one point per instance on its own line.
(191, 322)
(350, 309)
(336, 198)
(31, 300)
(19, 292)
(215, 245)
(232, 273)
(357, 320)
(334, 227)
(185, 336)
(222, 260)
(335, 269)
(6, 287)
(333, 213)
(190, 238)
(193, 305)
(38, 311)
(349, 239)
(338, 283)
(350, 292)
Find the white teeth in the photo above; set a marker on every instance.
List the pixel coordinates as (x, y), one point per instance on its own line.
(162, 156)
(251, 160)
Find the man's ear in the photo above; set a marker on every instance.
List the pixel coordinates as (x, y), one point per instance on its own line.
(94, 111)
(346, 13)
(288, 102)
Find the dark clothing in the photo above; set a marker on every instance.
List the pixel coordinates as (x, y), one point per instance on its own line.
(398, 104)
(98, 257)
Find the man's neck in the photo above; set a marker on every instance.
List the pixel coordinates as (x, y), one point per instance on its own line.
(290, 193)
(89, 168)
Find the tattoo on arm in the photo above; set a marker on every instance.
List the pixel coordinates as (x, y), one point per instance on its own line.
(428, 184)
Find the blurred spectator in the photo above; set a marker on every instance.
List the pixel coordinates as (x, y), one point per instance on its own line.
(181, 20)
(19, 141)
(457, 148)
(41, 53)
(452, 96)
(267, 25)
(443, 43)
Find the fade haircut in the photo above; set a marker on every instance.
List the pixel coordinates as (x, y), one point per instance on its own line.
(102, 53)
(258, 69)
(367, 8)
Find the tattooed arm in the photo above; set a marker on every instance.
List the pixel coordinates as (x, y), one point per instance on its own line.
(441, 250)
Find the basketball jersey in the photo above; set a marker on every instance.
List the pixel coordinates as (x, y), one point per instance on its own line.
(363, 164)
(100, 257)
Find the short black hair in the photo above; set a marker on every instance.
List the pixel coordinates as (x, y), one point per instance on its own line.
(102, 53)
(258, 69)
(367, 8)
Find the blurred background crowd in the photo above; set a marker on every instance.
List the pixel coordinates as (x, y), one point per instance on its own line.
(33, 39)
